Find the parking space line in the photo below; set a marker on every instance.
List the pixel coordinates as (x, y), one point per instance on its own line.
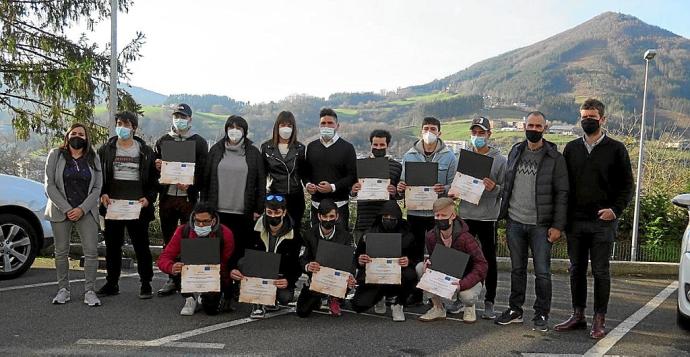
(606, 343)
(38, 285)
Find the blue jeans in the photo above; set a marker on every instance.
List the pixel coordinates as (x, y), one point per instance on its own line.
(522, 237)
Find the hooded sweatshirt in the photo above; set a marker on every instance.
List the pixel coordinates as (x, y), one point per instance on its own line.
(490, 204)
(447, 165)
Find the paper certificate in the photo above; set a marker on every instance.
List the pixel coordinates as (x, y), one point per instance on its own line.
(420, 198)
(470, 188)
(373, 189)
(438, 283)
(330, 282)
(200, 278)
(177, 172)
(121, 210)
(258, 291)
(383, 271)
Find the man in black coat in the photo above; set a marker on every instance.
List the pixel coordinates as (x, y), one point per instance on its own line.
(601, 186)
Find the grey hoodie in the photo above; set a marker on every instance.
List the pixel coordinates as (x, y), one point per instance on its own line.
(490, 204)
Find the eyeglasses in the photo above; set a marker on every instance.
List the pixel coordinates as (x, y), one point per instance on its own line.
(203, 222)
(276, 198)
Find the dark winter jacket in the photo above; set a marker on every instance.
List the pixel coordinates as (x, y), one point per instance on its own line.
(368, 210)
(287, 245)
(148, 175)
(311, 243)
(201, 153)
(552, 185)
(285, 172)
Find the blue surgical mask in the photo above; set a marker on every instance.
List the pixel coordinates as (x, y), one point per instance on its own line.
(180, 124)
(202, 231)
(478, 141)
(123, 133)
(327, 133)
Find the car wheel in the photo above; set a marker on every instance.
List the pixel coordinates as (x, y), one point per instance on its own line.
(18, 243)
(683, 321)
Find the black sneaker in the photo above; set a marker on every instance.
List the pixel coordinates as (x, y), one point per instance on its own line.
(108, 289)
(509, 317)
(541, 323)
(145, 292)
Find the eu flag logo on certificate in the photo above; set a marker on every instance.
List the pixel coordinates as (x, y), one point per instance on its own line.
(447, 278)
(265, 282)
(183, 165)
(427, 189)
(389, 261)
(337, 273)
(207, 268)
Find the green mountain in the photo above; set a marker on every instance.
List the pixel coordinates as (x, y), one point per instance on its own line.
(602, 58)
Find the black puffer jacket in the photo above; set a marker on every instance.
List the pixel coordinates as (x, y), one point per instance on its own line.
(255, 193)
(148, 175)
(285, 173)
(392, 208)
(552, 186)
(367, 210)
(201, 153)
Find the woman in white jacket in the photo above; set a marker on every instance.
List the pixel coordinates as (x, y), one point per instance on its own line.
(73, 181)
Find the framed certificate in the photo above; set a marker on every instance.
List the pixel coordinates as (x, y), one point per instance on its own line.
(258, 291)
(420, 198)
(177, 172)
(438, 283)
(122, 210)
(383, 271)
(373, 189)
(469, 189)
(330, 282)
(200, 278)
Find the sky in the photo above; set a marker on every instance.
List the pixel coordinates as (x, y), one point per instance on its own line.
(264, 50)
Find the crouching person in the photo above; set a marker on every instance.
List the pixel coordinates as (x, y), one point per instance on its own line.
(389, 220)
(203, 224)
(452, 232)
(274, 233)
(328, 230)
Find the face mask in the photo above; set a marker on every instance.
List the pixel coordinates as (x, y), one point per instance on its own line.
(478, 141)
(443, 224)
(590, 126)
(285, 132)
(234, 135)
(328, 225)
(274, 221)
(327, 133)
(77, 143)
(533, 136)
(429, 138)
(123, 132)
(389, 224)
(378, 152)
(202, 231)
(180, 124)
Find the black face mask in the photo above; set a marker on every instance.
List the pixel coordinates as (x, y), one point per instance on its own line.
(77, 143)
(378, 152)
(533, 136)
(443, 224)
(328, 225)
(589, 125)
(274, 221)
(389, 224)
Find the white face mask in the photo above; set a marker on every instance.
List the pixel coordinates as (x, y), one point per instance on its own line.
(285, 132)
(180, 124)
(429, 138)
(327, 133)
(234, 135)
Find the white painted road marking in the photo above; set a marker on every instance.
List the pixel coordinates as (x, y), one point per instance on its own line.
(171, 341)
(606, 343)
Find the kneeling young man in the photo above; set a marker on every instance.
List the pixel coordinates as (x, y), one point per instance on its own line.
(328, 230)
(389, 220)
(203, 224)
(274, 233)
(452, 232)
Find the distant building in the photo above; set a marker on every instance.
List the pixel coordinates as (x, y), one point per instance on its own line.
(456, 145)
(562, 129)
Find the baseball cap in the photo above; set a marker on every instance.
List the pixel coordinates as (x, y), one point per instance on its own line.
(183, 109)
(482, 123)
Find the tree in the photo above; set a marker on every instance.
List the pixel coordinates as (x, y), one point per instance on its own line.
(47, 80)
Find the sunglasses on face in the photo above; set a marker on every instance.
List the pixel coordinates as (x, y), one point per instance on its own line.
(275, 198)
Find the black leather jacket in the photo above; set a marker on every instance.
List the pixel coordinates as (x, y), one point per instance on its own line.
(285, 173)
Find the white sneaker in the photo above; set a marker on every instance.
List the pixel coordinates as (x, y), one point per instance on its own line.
(398, 314)
(91, 299)
(470, 315)
(380, 307)
(62, 296)
(189, 306)
(433, 314)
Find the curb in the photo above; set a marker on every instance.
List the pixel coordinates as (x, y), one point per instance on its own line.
(618, 268)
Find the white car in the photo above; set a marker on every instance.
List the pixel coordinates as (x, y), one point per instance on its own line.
(24, 231)
(684, 268)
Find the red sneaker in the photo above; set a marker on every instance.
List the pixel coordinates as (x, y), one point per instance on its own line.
(334, 306)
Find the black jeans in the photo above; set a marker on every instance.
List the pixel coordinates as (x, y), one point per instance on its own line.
(367, 295)
(521, 239)
(114, 235)
(591, 240)
(343, 213)
(173, 211)
(295, 208)
(419, 226)
(242, 228)
(308, 301)
(485, 232)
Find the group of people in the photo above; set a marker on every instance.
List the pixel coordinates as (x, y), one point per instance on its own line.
(253, 197)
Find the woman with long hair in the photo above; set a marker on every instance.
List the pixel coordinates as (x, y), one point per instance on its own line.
(73, 180)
